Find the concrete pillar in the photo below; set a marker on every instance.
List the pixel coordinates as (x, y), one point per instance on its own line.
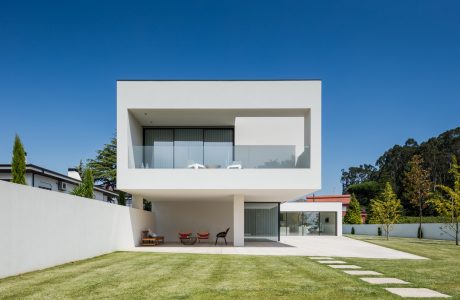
(238, 220)
(138, 202)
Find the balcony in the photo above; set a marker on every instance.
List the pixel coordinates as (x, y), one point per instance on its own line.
(220, 157)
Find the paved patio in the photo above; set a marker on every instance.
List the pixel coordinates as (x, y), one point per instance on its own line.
(295, 246)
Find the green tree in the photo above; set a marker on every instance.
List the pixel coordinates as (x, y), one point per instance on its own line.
(104, 166)
(353, 215)
(386, 209)
(446, 200)
(417, 186)
(357, 175)
(18, 163)
(86, 187)
(365, 191)
(122, 198)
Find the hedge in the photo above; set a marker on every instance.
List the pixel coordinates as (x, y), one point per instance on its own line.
(411, 220)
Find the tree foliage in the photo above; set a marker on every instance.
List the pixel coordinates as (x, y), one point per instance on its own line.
(393, 164)
(446, 200)
(122, 198)
(417, 186)
(357, 175)
(104, 166)
(353, 215)
(86, 187)
(365, 191)
(386, 209)
(18, 163)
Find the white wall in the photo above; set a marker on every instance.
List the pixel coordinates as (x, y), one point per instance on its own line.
(430, 230)
(40, 228)
(172, 217)
(285, 131)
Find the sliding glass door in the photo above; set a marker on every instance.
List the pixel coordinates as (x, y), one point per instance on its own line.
(308, 223)
(261, 221)
(183, 147)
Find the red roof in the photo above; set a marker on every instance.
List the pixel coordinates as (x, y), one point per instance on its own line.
(345, 199)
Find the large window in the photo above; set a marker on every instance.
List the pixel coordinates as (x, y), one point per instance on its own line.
(182, 147)
(308, 223)
(261, 221)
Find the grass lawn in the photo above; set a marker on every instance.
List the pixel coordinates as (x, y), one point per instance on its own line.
(149, 275)
(142, 275)
(440, 273)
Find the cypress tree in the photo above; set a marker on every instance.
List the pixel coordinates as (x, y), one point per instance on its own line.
(85, 189)
(18, 163)
(353, 215)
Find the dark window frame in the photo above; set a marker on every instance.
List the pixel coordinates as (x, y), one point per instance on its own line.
(204, 128)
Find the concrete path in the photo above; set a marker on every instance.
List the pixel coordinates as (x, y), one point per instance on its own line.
(320, 246)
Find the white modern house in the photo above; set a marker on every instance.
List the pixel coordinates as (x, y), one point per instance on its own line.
(212, 155)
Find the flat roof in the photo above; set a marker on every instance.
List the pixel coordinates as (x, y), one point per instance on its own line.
(219, 80)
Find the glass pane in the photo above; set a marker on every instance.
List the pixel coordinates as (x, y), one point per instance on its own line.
(261, 221)
(310, 223)
(265, 156)
(158, 152)
(188, 147)
(327, 224)
(218, 147)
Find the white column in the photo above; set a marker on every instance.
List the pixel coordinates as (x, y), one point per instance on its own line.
(238, 220)
(138, 202)
(339, 222)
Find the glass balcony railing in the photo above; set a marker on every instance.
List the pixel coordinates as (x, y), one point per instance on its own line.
(219, 157)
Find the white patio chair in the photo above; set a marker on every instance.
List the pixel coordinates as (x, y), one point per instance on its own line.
(193, 165)
(235, 165)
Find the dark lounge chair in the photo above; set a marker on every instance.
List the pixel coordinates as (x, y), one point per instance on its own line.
(222, 235)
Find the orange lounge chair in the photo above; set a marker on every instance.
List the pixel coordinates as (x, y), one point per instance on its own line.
(203, 236)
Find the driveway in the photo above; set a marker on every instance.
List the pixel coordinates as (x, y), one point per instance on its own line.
(332, 246)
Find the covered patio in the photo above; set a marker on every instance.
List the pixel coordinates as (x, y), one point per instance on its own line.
(334, 246)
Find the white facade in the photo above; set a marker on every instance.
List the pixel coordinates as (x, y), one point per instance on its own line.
(275, 121)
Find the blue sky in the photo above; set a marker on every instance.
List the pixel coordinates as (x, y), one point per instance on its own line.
(390, 70)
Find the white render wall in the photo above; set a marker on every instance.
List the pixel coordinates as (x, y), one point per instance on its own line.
(271, 131)
(430, 230)
(172, 217)
(316, 206)
(41, 229)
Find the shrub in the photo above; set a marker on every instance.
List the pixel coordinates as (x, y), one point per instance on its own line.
(352, 230)
(379, 231)
(412, 220)
(147, 205)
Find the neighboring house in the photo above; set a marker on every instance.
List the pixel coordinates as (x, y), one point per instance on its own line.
(212, 155)
(344, 199)
(49, 180)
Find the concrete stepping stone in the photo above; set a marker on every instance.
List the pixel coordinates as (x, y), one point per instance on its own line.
(360, 272)
(383, 280)
(416, 293)
(320, 257)
(331, 262)
(344, 266)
